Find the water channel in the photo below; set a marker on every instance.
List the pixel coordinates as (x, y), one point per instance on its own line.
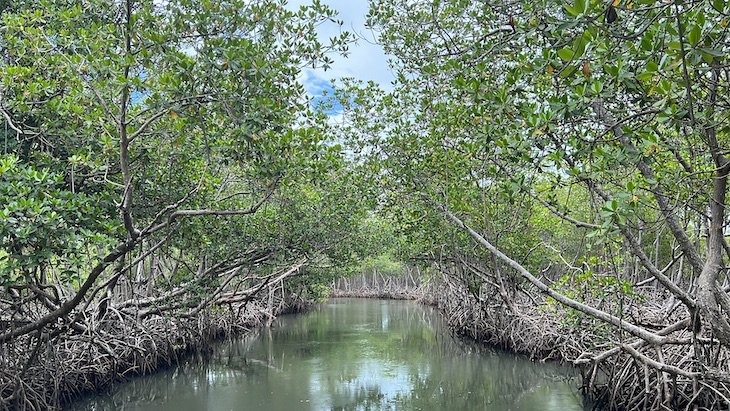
(350, 354)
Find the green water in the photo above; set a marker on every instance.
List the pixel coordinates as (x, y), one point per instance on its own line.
(350, 354)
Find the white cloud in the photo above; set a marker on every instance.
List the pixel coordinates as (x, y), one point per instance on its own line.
(366, 60)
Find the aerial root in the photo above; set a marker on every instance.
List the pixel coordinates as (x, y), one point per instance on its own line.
(43, 374)
(618, 371)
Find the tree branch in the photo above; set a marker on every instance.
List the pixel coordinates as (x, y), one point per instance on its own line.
(639, 332)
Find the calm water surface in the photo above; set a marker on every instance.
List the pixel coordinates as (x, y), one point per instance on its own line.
(350, 354)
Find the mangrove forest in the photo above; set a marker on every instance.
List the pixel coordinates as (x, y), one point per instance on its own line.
(547, 178)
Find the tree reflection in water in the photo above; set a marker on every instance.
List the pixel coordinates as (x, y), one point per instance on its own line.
(351, 354)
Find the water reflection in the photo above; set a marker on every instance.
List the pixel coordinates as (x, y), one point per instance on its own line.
(350, 354)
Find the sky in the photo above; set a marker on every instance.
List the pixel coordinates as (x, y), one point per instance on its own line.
(366, 60)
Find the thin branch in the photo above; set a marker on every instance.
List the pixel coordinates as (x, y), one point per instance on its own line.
(188, 101)
(564, 216)
(207, 212)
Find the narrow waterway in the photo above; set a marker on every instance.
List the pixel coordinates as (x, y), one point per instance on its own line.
(350, 354)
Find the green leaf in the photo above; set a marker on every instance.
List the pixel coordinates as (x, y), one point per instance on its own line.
(652, 66)
(694, 35)
(572, 10)
(566, 54)
(719, 5)
(713, 52)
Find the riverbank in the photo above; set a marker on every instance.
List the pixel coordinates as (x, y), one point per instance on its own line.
(54, 374)
(386, 295)
(613, 377)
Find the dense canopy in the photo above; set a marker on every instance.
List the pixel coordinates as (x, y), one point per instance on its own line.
(536, 160)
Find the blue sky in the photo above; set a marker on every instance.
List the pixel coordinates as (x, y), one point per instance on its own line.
(366, 60)
(321, 91)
